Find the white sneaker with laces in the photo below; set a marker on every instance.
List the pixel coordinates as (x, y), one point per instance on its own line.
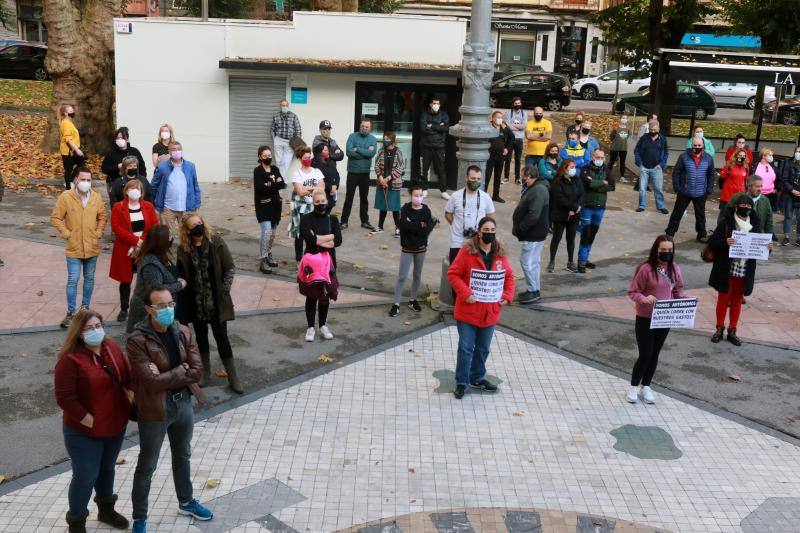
(445, 195)
(310, 334)
(326, 332)
(647, 395)
(633, 394)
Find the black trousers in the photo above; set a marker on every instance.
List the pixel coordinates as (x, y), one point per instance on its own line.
(571, 227)
(494, 168)
(622, 155)
(681, 203)
(360, 181)
(220, 331)
(298, 248)
(382, 218)
(435, 156)
(650, 342)
(515, 154)
(124, 295)
(70, 162)
(311, 307)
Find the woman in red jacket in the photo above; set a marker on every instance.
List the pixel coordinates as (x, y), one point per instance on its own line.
(92, 386)
(733, 177)
(482, 279)
(130, 220)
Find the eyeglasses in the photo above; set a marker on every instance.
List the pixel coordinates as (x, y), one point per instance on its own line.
(162, 306)
(99, 325)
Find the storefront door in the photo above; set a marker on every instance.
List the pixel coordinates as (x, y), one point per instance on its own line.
(517, 51)
(397, 108)
(570, 51)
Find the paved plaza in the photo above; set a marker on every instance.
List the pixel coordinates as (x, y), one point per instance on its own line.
(381, 445)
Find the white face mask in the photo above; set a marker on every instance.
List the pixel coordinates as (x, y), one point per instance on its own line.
(134, 194)
(122, 143)
(623, 121)
(797, 156)
(498, 121)
(435, 108)
(698, 134)
(165, 135)
(84, 186)
(770, 159)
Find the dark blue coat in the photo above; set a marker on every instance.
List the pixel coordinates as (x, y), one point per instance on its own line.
(691, 179)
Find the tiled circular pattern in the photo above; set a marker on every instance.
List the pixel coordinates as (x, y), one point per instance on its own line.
(491, 520)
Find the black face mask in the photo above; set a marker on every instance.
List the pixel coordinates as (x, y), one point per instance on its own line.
(665, 256)
(517, 107)
(132, 172)
(538, 117)
(554, 155)
(321, 209)
(267, 161)
(71, 115)
(578, 121)
(585, 131)
(743, 212)
(653, 134)
(197, 231)
(696, 150)
(487, 238)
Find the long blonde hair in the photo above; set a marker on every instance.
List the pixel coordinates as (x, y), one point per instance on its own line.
(186, 239)
(171, 133)
(73, 341)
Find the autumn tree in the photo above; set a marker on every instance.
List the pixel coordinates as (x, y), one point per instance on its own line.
(80, 61)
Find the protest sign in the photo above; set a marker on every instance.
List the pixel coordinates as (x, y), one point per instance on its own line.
(750, 245)
(677, 313)
(487, 285)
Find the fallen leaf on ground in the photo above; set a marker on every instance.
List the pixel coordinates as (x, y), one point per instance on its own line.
(24, 354)
(516, 413)
(384, 246)
(276, 298)
(39, 293)
(734, 377)
(221, 373)
(412, 471)
(325, 358)
(121, 461)
(406, 323)
(357, 266)
(289, 478)
(2, 478)
(212, 483)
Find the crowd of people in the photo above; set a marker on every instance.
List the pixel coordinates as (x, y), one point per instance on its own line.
(184, 270)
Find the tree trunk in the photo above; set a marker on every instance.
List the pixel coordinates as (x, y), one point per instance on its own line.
(758, 109)
(350, 6)
(80, 60)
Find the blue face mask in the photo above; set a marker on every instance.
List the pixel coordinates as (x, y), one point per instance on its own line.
(572, 172)
(94, 337)
(598, 162)
(165, 316)
(572, 143)
(387, 142)
(284, 110)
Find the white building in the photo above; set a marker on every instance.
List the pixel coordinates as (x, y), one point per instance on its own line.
(218, 83)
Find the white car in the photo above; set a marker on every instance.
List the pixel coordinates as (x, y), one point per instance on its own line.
(605, 84)
(742, 94)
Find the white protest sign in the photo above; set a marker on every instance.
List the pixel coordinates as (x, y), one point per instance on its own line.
(487, 285)
(677, 313)
(750, 245)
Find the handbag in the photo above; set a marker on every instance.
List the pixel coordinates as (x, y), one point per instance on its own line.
(708, 255)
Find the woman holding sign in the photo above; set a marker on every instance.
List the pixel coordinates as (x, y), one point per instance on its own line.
(482, 279)
(732, 278)
(658, 278)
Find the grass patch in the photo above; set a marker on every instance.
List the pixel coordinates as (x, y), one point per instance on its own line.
(25, 94)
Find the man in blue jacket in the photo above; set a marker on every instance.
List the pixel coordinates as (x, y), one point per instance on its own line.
(175, 188)
(650, 155)
(692, 181)
(361, 148)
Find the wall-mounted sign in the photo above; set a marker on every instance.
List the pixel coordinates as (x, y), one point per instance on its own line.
(369, 109)
(502, 25)
(299, 95)
(124, 27)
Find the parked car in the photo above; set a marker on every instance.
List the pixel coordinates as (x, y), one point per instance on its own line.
(788, 111)
(741, 94)
(605, 85)
(23, 60)
(690, 98)
(507, 68)
(551, 91)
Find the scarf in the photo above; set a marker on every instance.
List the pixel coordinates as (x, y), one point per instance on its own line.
(203, 296)
(744, 226)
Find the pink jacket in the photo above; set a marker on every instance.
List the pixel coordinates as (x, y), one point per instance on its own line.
(648, 282)
(767, 174)
(315, 268)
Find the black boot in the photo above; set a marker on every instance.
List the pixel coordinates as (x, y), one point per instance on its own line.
(206, 375)
(717, 336)
(77, 524)
(233, 379)
(732, 338)
(107, 514)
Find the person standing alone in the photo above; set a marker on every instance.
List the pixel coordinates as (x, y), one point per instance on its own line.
(70, 143)
(650, 155)
(361, 148)
(434, 124)
(285, 127)
(693, 182)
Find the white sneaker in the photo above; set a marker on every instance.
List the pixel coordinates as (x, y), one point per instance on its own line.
(633, 394)
(310, 334)
(647, 395)
(445, 195)
(326, 332)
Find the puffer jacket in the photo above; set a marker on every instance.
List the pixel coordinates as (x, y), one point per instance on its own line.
(693, 179)
(479, 314)
(80, 226)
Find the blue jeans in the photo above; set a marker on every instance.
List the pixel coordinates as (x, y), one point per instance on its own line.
(473, 350)
(656, 177)
(73, 273)
(265, 244)
(178, 427)
(93, 462)
(590, 225)
(790, 211)
(530, 259)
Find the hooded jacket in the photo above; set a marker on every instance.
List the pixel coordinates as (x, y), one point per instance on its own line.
(479, 314)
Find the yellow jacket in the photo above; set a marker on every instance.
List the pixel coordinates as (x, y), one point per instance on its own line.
(68, 132)
(80, 226)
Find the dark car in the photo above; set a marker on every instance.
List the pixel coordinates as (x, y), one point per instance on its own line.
(23, 60)
(551, 91)
(788, 111)
(690, 98)
(507, 68)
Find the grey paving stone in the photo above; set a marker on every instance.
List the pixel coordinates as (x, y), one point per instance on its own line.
(774, 515)
(451, 522)
(646, 442)
(523, 521)
(274, 525)
(390, 527)
(589, 524)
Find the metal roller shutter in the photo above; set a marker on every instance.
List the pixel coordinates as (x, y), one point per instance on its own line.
(253, 102)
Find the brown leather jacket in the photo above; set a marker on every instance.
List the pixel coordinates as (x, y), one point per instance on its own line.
(144, 347)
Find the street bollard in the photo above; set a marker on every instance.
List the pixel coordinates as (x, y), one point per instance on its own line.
(445, 301)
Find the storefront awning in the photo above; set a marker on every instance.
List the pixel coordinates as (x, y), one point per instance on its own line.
(387, 68)
(523, 25)
(732, 67)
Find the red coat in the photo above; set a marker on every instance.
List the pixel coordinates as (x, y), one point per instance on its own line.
(480, 314)
(121, 265)
(82, 386)
(735, 178)
(732, 150)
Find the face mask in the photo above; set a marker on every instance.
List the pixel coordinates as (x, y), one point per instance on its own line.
(517, 107)
(94, 337)
(387, 142)
(321, 209)
(474, 185)
(654, 134)
(132, 172)
(487, 238)
(284, 109)
(665, 256)
(585, 131)
(743, 212)
(538, 117)
(416, 200)
(572, 171)
(177, 154)
(364, 132)
(698, 134)
(306, 161)
(572, 143)
(165, 317)
(696, 150)
(770, 159)
(797, 156)
(165, 135)
(122, 143)
(578, 121)
(198, 230)
(71, 115)
(84, 186)
(554, 155)
(435, 108)
(598, 162)
(267, 161)
(623, 121)
(134, 194)
(740, 160)
(498, 121)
